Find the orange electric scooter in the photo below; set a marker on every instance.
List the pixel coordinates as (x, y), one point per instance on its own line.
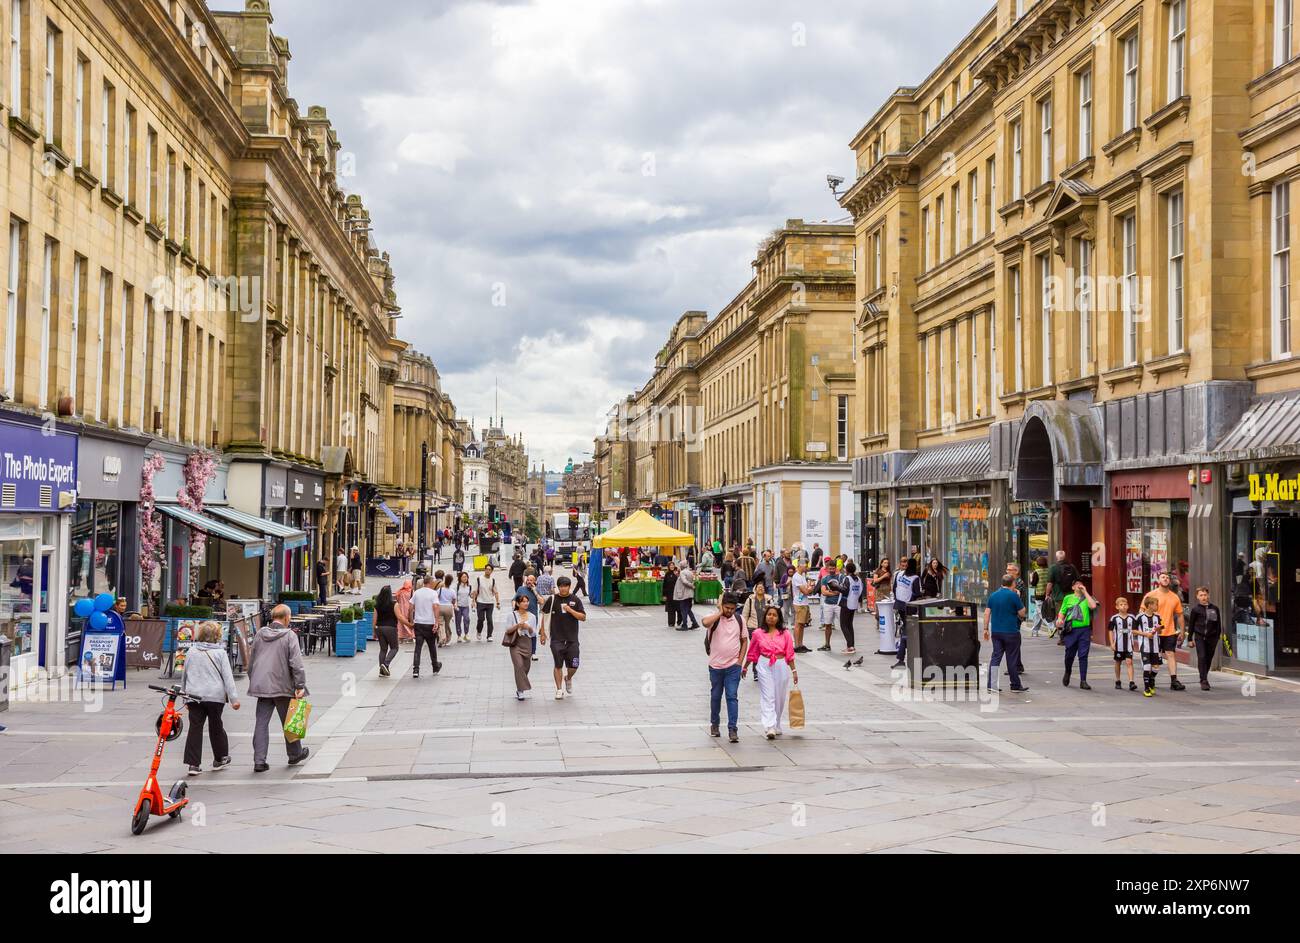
(169, 725)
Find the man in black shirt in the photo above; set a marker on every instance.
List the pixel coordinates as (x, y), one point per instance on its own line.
(517, 570)
(565, 611)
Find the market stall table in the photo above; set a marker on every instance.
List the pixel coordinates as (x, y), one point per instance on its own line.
(707, 590)
(641, 592)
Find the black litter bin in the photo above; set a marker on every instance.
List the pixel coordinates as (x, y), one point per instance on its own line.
(6, 649)
(943, 643)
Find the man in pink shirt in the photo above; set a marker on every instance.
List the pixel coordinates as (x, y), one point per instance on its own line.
(725, 642)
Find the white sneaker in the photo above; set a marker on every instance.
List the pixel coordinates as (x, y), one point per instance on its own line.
(568, 686)
(559, 694)
(519, 695)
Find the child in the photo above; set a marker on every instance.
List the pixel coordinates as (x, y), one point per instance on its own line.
(1120, 631)
(1148, 632)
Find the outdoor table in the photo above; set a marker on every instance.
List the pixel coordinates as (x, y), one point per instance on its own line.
(707, 590)
(641, 592)
(302, 628)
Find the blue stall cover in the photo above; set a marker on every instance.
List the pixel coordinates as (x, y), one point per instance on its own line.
(595, 577)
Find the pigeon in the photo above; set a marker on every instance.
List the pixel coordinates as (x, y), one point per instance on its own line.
(848, 664)
(859, 661)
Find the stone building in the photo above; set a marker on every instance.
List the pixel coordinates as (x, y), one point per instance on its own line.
(615, 458)
(579, 489)
(193, 299)
(777, 386)
(1074, 303)
(508, 461)
(744, 429)
(423, 418)
(476, 477)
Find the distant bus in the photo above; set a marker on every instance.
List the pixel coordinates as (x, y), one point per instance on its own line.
(567, 538)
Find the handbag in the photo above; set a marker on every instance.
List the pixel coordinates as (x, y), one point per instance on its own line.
(795, 709)
(295, 719)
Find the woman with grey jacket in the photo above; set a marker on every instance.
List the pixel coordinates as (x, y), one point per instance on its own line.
(208, 677)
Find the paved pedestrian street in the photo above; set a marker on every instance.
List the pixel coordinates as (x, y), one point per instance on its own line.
(453, 763)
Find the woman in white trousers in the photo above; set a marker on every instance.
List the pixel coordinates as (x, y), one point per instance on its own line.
(771, 652)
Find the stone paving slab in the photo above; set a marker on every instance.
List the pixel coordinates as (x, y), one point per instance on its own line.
(1187, 771)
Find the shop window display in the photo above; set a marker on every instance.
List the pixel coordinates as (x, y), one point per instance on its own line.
(18, 583)
(968, 549)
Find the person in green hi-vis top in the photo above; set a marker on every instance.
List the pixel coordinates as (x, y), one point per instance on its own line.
(1075, 622)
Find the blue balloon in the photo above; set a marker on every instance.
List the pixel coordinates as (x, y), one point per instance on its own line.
(83, 607)
(98, 620)
(104, 602)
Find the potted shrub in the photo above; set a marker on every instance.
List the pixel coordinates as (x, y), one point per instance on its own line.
(368, 617)
(297, 600)
(345, 633)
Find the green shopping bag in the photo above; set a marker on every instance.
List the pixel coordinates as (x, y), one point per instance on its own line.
(295, 721)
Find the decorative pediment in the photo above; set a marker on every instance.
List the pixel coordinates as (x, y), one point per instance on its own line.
(1072, 203)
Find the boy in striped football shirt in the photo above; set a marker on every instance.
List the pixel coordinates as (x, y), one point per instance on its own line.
(1147, 631)
(1120, 630)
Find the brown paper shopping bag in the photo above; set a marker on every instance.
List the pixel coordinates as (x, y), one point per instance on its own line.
(796, 709)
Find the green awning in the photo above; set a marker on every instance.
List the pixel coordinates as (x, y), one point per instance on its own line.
(252, 545)
(291, 536)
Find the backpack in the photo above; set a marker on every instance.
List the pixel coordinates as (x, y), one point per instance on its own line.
(1068, 575)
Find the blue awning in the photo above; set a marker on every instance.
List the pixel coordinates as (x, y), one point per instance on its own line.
(252, 545)
(391, 516)
(291, 536)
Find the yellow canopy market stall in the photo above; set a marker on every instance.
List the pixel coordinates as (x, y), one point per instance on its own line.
(642, 585)
(642, 530)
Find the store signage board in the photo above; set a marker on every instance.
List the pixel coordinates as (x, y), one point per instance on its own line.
(103, 658)
(38, 468)
(1274, 488)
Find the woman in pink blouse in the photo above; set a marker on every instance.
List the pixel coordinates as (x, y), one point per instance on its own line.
(771, 651)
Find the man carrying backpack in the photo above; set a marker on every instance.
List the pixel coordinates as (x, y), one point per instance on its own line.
(725, 642)
(1061, 577)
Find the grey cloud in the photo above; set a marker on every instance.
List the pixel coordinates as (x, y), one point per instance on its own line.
(522, 163)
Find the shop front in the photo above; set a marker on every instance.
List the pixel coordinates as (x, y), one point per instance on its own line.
(104, 549)
(1150, 509)
(1265, 568)
(38, 499)
(305, 505)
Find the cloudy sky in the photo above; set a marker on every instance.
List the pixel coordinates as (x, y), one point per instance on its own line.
(558, 180)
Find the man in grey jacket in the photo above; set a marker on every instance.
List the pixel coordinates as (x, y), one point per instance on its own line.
(276, 674)
(684, 594)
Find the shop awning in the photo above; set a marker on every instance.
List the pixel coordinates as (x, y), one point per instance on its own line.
(1269, 429)
(252, 545)
(391, 516)
(949, 464)
(291, 536)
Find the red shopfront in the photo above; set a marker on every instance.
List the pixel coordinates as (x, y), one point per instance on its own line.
(1141, 535)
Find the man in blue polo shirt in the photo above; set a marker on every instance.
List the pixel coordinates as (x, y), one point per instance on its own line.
(1002, 619)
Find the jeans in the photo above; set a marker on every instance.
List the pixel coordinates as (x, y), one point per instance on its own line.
(685, 613)
(425, 635)
(1078, 641)
(266, 706)
(462, 620)
(728, 679)
(387, 635)
(1007, 643)
(209, 711)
